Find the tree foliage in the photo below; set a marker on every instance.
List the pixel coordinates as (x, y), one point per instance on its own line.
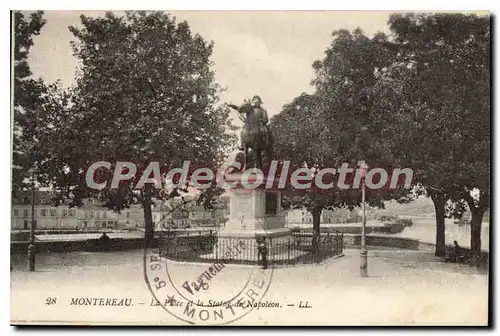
(30, 98)
(436, 94)
(332, 126)
(145, 93)
(377, 98)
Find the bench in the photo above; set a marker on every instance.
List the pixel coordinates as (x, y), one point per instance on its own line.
(458, 255)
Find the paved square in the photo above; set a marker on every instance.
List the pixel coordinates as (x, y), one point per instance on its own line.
(404, 288)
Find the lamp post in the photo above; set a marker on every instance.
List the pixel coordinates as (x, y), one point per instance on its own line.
(363, 252)
(31, 246)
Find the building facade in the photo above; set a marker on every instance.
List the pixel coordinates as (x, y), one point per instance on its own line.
(176, 213)
(89, 217)
(337, 216)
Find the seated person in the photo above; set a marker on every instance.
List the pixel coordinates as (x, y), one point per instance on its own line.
(104, 241)
(456, 254)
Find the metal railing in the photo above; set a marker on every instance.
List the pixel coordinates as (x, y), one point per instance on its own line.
(207, 247)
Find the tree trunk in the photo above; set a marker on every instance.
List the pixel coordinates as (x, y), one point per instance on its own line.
(148, 218)
(477, 213)
(475, 236)
(439, 201)
(316, 214)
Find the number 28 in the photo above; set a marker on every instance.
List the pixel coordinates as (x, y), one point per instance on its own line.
(50, 301)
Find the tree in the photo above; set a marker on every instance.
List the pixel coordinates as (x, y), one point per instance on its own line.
(145, 93)
(436, 94)
(24, 30)
(297, 137)
(330, 127)
(30, 96)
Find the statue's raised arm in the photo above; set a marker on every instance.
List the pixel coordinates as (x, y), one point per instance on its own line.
(237, 108)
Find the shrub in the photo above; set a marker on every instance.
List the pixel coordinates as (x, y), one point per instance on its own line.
(404, 221)
(392, 228)
(387, 218)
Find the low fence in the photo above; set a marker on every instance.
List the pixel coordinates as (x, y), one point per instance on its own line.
(211, 249)
(354, 240)
(377, 227)
(24, 235)
(88, 245)
(327, 241)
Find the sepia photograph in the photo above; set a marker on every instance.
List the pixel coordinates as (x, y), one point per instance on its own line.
(250, 168)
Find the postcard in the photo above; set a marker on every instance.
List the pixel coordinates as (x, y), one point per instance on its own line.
(270, 168)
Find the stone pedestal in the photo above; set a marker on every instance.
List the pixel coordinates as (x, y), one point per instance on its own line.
(253, 213)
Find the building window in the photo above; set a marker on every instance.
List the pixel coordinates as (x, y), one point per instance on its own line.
(16, 213)
(71, 212)
(64, 212)
(92, 214)
(85, 223)
(52, 212)
(26, 224)
(25, 213)
(128, 214)
(98, 215)
(104, 215)
(43, 212)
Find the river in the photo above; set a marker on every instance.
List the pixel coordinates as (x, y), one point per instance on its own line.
(424, 229)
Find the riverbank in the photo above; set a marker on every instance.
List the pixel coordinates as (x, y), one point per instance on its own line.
(372, 226)
(424, 230)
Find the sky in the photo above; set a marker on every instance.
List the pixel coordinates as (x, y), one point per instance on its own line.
(265, 53)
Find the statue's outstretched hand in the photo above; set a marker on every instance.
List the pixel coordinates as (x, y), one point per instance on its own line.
(233, 107)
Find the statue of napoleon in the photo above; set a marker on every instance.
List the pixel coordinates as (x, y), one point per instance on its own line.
(255, 137)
